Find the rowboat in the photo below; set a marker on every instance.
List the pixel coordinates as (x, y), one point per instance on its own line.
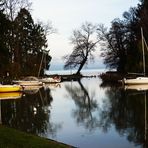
(10, 88)
(10, 95)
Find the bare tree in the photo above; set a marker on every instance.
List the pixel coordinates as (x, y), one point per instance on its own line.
(48, 27)
(12, 7)
(84, 40)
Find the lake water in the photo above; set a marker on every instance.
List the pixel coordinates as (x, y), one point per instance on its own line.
(85, 114)
(86, 72)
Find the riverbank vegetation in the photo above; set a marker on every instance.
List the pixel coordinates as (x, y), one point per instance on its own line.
(12, 138)
(121, 46)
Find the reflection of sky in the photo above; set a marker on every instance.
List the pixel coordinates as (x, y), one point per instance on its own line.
(77, 134)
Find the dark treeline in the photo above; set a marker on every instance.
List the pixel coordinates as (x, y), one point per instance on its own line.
(22, 41)
(124, 48)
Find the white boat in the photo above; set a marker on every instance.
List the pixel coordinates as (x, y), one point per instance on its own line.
(139, 80)
(51, 80)
(28, 83)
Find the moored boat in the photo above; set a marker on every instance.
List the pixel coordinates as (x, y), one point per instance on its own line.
(143, 79)
(51, 80)
(28, 83)
(10, 88)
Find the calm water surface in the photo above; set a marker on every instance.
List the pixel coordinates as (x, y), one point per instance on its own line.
(85, 114)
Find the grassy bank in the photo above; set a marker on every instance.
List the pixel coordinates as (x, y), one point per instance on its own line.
(11, 138)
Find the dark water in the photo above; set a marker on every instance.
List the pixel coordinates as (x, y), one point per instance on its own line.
(86, 114)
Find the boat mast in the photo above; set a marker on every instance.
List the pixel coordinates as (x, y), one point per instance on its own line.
(40, 65)
(143, 51)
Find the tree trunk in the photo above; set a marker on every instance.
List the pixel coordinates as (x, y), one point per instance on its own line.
(81, 66)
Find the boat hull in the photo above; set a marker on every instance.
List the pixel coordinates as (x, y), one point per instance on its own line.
(139, 80)
(28, 83)
(51, 80)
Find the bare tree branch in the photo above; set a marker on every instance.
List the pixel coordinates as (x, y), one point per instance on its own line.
(84, 40)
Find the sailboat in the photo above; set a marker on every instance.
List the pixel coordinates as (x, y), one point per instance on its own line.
(55, 79)
(142, 79)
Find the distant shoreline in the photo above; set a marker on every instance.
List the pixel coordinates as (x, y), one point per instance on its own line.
(85, 72)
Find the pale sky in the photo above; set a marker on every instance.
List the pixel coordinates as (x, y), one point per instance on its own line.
(67, 15)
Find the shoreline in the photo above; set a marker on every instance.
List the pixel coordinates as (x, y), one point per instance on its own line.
(18, 139)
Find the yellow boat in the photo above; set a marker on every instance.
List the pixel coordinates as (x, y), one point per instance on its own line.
(10, 95)
(10, 88)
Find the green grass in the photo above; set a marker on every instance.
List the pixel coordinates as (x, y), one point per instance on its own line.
(11, 138)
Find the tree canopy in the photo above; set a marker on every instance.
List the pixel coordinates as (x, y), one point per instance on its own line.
(22, 41)
(4, 50)
(84, 40)
(123, 50)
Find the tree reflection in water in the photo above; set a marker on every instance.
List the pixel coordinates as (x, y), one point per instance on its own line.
(85, 104)
(31, 113)
(126, 111)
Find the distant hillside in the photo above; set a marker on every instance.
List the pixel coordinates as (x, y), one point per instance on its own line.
(58, 65)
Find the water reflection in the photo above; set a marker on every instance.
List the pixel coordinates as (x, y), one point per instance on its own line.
(30, 113)
(86, 105)
(10, 95)
(81, 113)
(127, 111)
(122, 108)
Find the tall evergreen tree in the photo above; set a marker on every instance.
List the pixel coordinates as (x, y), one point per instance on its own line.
(30, 41)
(4, 51)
